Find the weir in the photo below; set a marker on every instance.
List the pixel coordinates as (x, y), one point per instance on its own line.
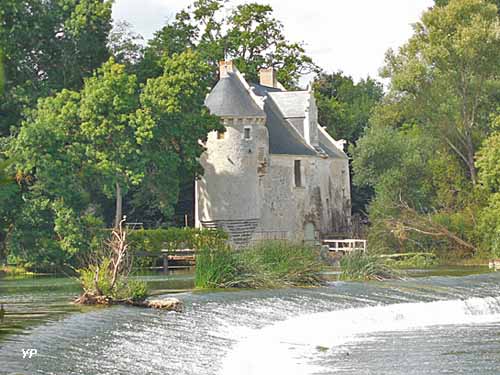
(429, 325)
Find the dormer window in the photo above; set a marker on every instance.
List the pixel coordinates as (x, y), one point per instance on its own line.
(220, 135)
(247, 135)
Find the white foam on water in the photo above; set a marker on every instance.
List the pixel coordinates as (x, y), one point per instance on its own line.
(288, 347)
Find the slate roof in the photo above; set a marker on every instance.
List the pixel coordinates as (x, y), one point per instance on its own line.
(283, 138)
(291, 103)
(298, 124)
(284, 110)
(263, 90)
(230, 97)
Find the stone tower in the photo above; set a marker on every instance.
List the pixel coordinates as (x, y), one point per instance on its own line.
(228, 194)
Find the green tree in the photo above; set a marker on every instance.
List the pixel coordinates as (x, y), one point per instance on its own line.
(48, 45)
(488, 163)
(249, 35)
(174, 104)
(255, 39)
(419, 152)
(445, 72)
(344, 107)
(125, 45)
(446, 2)
(52, 222)
(108, 104)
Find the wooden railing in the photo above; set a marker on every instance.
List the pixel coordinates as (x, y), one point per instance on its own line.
(346, 245)
(172, 259)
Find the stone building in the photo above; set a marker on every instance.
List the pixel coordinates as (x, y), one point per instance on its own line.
(275, 173)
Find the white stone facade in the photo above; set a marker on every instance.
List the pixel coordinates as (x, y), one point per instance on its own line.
(275, 173)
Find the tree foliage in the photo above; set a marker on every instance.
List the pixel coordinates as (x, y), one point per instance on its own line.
(48, 46)
(344, 107)
(419, 153)
(249, 35)
(78, 147)
(447, 72)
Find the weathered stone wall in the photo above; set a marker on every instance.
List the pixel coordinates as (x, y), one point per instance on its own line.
(323, 199)
(228, 192)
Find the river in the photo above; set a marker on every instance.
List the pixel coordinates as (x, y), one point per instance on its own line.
(421, 325)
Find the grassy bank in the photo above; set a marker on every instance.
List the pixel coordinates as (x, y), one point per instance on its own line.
(270, 265)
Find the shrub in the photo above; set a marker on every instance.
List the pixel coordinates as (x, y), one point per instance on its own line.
(361, 266)
(154, 240)
(103, 280)
(124, 288)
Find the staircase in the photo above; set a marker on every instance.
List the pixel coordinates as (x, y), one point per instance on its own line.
(240, 232)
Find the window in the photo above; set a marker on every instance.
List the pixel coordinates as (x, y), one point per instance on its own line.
(297, 173)
(220, 135)
(246, 133)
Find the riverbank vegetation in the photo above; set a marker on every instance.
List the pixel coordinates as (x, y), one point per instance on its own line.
(96, 123)
(106, 279)
(359, 266)
(410, 260)
(269, 265)
(430, 152)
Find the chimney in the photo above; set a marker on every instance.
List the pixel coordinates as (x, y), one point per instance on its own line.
(225, 67)
(268, 77)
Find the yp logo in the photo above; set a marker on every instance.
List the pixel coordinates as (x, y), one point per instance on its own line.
(28, 353)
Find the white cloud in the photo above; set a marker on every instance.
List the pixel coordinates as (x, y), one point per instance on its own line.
(347, 35)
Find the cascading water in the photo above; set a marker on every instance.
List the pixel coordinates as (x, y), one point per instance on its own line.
(288, 346)
(430, 325)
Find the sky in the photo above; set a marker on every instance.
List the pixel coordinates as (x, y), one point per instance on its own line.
(340, 35)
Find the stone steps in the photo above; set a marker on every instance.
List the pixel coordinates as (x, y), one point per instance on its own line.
(240, 232)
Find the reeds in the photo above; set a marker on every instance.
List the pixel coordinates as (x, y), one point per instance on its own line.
(269, 265)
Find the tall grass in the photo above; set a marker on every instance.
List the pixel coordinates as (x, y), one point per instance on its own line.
(216, 267)
(269, 265)
(361, 266)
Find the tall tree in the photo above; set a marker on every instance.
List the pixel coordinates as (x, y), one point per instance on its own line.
(446, 70)
(48, 45)
(249, 34)
(174, 104)
(49, 223)
(125, 45)
(344, 107)
(108, 104)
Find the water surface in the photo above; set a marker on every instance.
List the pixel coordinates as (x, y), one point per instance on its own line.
(425, 325)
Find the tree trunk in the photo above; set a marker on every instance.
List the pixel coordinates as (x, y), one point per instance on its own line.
(471, 161)
(119, 201)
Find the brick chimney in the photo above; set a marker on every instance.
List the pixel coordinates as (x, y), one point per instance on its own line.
(268, 77)
(225, 67)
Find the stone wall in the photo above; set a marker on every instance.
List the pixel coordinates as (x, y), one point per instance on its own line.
(228, 192)
(323, 199)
